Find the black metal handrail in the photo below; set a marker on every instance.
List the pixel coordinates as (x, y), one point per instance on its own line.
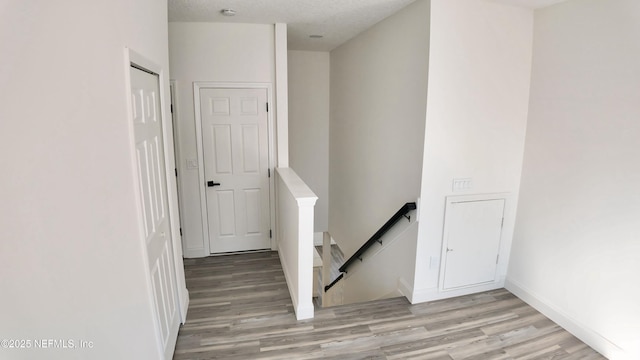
(404, 210)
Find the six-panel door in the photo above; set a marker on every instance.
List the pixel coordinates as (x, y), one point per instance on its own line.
(155, 211)
(236, 160)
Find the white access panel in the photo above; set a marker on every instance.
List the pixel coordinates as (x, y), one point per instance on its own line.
(471, 242)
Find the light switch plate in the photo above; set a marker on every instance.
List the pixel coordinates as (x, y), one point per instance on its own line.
(460, 184)
(192, 164)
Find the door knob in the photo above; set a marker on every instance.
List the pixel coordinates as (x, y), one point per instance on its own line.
(212, 184)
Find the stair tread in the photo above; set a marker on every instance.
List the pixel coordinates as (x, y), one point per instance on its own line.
(317, 259)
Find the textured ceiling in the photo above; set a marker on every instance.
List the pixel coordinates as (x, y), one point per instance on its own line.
(337, 20)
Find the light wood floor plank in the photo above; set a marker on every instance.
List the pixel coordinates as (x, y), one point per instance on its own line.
(240, 309)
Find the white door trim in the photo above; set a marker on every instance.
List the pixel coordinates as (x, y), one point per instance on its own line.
(133, 58)
(173, 93)
(197, 85)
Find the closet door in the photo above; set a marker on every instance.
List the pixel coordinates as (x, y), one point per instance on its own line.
(155, 212)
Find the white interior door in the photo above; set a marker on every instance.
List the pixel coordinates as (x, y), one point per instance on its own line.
(472, 242)
(236, 165)
(155, 211)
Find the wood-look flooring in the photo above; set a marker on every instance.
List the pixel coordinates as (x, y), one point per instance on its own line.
(240, 309)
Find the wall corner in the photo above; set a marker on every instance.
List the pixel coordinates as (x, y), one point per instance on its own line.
(282, 95)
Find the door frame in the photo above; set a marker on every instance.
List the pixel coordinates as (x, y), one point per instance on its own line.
(197, 85)
(173, 97)
(132, 58)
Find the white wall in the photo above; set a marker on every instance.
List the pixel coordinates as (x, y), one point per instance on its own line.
(210, 52)
(378, 100)
(282, 95)
(576, 250)
(372, 279)
(71, 253)
(479, 74)
(309, 126)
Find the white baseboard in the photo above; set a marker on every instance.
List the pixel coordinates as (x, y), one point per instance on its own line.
(194, 253)
(432, 294)
(185, 305)
(575, 327)
(285, 270)
(303, 310)
(405, 289)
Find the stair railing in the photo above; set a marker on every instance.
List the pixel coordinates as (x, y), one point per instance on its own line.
(376, 238)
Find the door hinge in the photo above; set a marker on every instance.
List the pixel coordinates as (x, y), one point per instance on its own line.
(269, 172)
(267, 107)
(270, 234)
(180, 231)
(497, 258)
(502, 223)
(176, 170)
(171, 108)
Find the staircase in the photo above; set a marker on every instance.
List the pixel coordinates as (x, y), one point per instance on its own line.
(376, 270)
